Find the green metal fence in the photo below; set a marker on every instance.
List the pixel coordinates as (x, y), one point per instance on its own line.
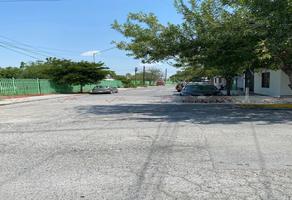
(12, 87)
(168, 82)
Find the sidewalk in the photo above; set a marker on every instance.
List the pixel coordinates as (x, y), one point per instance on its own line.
(12, 100)
(257, 99)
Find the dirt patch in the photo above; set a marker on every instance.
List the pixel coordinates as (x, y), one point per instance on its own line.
(207, 99)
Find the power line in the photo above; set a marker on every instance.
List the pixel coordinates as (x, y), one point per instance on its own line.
(32, 51)
(105, 50)
(21, 48)
(19, 52)
(20, 45)
(58, 50)
(23, 1)
(45, 51)
(48, 50)
(24, 49)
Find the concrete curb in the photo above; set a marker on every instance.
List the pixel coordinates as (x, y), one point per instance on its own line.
(25, 100)
(264, 106)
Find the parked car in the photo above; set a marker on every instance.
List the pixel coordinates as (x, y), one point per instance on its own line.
(160, 83)
(99, 89)
(180, 86)
(200, 89)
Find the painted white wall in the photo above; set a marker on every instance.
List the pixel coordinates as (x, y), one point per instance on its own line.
(279, 82)
(240, 82)
(285, 89)
(217, 83)
(275, 83)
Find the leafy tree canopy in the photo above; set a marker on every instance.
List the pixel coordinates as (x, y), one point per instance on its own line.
(61, 71)
(193, 74)
(10, 72)
(230, 36)
(75, 73)
(152, 75)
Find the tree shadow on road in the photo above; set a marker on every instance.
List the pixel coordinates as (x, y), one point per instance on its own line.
(191, 113)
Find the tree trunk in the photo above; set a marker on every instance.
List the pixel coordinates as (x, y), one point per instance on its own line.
(81, 88)
(288, 71)
(228, 86)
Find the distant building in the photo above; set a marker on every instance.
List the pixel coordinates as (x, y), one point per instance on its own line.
(219, 82)
(272, 83)
(239, 83)
(266, 82)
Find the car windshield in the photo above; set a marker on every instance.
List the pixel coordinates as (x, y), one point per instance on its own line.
(200, 87)
(208, 87)
(99, 86)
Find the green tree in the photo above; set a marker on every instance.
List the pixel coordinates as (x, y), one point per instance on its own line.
(273, 21)
(149, 40)
(223, 40)
(210, 36)
(61, 71)
(76, 73)
(10, 72)
(193, 74)
(127, 82)
(152, 75)
(35, 70)
(230, 36)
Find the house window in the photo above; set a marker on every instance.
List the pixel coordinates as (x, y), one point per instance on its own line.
(266, 80)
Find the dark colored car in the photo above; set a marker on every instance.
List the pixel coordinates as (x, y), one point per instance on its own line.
(200, 90)
(104, 90)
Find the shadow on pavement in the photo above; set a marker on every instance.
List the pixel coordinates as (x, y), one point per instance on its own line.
(191, 113)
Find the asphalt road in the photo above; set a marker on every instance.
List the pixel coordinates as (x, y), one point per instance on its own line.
(138, 144)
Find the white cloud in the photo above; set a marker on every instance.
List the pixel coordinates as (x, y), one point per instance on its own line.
(151, 64)
(90, 53)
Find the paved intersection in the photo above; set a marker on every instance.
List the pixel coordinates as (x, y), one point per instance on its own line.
(138, 144)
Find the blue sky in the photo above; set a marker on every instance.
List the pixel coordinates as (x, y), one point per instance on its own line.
(76, 26)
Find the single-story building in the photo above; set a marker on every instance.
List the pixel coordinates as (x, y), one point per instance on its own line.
(239, 83)
(264, 82)
(219, 82)
(272, 83)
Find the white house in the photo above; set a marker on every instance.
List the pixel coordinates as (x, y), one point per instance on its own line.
(218, 81)
(272, 83)
(238, 82)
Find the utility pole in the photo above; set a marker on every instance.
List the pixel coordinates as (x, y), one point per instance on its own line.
(136, 69)
(165, 75)
(144, 72)
(94, 54)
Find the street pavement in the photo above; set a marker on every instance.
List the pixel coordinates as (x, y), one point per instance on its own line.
(143, 144)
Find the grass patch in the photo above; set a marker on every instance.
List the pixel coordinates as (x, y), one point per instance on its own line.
(267, 106)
